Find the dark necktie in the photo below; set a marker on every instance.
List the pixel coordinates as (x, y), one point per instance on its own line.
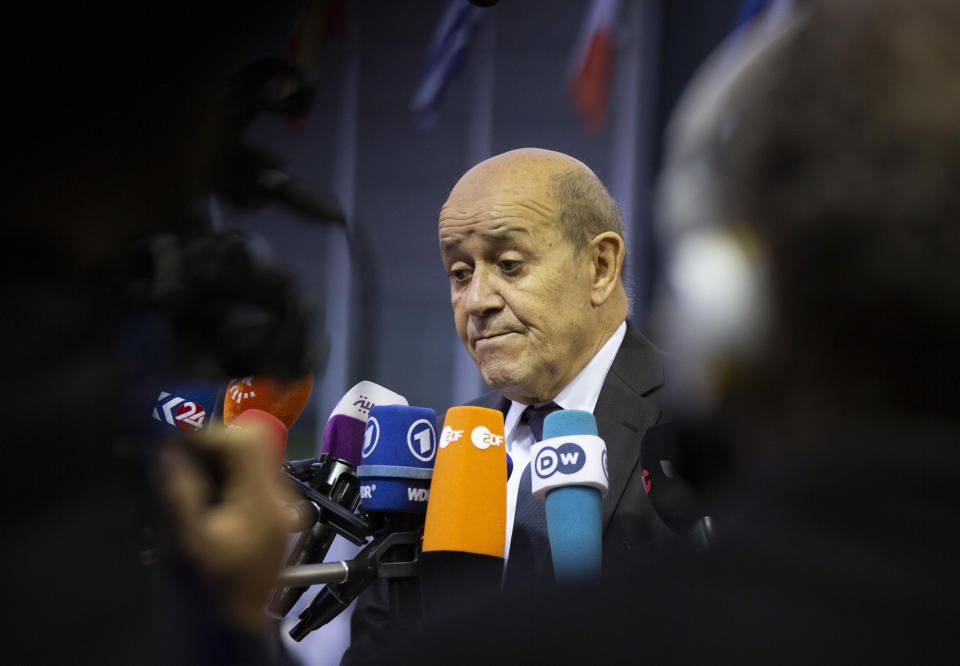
(528, 542)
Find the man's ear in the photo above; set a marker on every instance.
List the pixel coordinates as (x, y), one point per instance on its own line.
(607, 251)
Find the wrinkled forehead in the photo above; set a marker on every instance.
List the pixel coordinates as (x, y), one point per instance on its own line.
(500, 213)
(490, 234)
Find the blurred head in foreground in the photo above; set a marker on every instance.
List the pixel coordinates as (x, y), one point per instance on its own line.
(809, 207)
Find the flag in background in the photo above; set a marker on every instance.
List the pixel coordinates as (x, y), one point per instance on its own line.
(592, 62)
(448, 52)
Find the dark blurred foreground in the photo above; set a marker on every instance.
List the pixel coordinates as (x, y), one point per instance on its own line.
(115, 123)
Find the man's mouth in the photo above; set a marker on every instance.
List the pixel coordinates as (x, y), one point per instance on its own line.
(491, 336)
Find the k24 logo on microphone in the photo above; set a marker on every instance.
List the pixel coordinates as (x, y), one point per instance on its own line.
(176, 411)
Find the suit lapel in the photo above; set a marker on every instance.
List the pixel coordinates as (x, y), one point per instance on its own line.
(627, 406)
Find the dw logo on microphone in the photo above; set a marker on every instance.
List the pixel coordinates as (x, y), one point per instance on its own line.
(567, 458)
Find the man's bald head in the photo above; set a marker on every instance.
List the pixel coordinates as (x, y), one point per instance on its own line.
(581, 204)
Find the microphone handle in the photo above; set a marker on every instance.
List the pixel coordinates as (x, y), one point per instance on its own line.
(371, 562)
(332, 600)
(339, 482)
(342, 571)
(450, 578)
(406, 602)
(311, 548)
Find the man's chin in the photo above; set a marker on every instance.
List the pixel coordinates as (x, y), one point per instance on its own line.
(506, 383)
(499, 378)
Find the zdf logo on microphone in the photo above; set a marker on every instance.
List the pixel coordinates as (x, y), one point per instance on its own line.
(482, 438)
(567, 458)
(448, 435)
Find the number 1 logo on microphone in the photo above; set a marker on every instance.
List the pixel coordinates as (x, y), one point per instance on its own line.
(422, 440)
(370, 436)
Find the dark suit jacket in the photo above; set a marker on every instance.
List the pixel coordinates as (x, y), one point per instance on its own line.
(629, 404)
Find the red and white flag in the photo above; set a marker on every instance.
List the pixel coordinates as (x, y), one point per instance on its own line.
(592, 62)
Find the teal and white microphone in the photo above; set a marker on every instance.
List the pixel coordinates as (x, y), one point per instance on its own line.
(570, 475)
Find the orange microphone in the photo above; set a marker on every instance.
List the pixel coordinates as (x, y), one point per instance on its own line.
(272, 405)
(285, 400)
(464, 533)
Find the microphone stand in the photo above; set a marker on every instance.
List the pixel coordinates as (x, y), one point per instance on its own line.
(394, 553)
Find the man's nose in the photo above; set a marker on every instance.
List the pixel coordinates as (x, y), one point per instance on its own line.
(483, 296)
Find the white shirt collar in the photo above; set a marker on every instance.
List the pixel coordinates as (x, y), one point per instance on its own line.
(583, 390)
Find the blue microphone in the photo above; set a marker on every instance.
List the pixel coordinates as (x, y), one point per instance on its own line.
(399, 448)
(570, 475)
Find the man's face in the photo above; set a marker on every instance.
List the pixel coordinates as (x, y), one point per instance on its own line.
(520, 295)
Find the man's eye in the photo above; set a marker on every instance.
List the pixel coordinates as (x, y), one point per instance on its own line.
(460, 274)
(510, 265)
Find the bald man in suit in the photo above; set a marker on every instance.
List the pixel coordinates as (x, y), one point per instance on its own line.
(534, 248)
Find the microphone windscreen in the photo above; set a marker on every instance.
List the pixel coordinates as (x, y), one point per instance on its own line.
(285, 400)
(186, 408)
(365, 395)
(269, 428)
(565, 422)
(570, 467)
(344, 432)
(468, 499)
(399, 447)
(343, 438)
